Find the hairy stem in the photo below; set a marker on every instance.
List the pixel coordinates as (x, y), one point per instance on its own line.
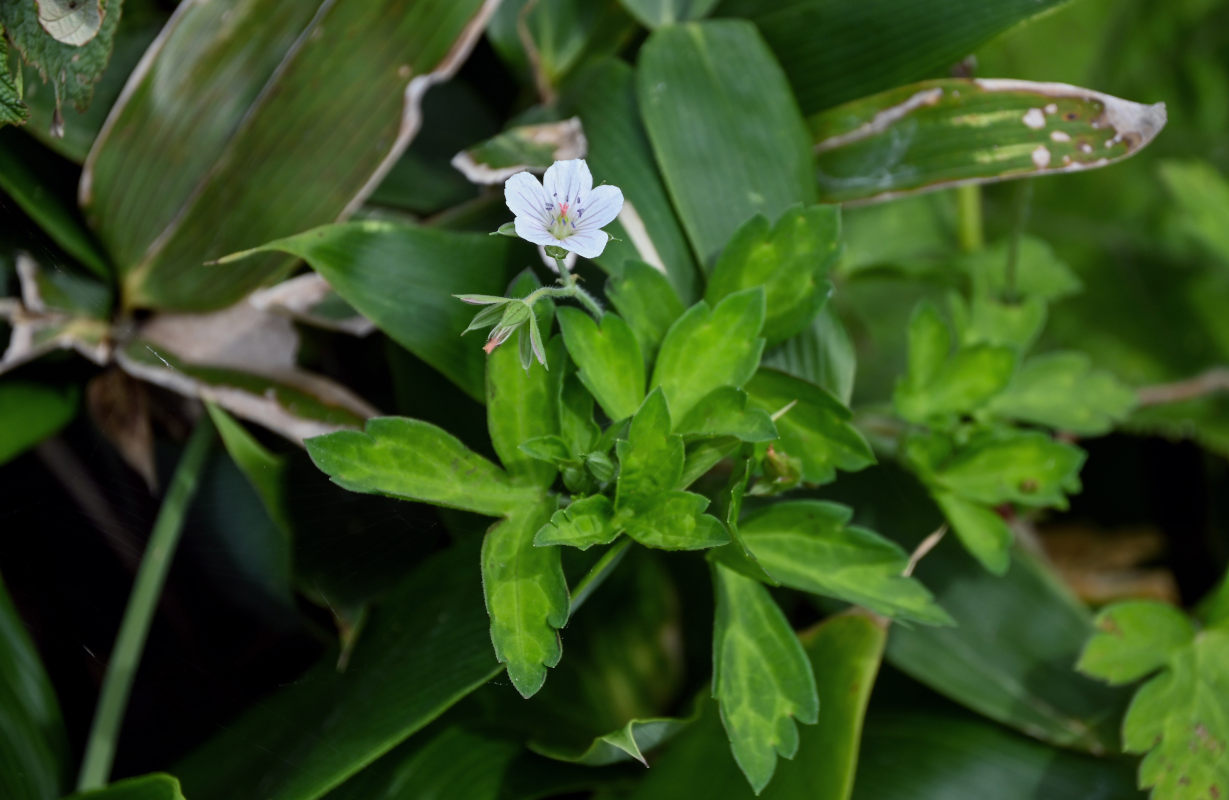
(142, 603)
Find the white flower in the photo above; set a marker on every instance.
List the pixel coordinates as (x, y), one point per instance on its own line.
(564, 210)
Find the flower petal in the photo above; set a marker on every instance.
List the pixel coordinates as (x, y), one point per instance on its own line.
(603, 205)
(589, 244)
(526, 198)
(565, 181)
(534, 230)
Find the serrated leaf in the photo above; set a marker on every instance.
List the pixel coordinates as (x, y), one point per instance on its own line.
(816, 428)
(146, 787)
(1134, 638)
(725, 412)
(248, 170)
(72, 22)
(1013, 467)
(707, 348)
(1039, 272)
(391, 274)
(584, 523)
(809, 545)
(523, 404)
(645, 299)
(942, 133)
(939, 385)
(650, 458)
(762, 678)
(607, 358)
(1180, 719)
(630, 741)
(526, 597)
(673, 521)
(1063, 391)
(604, 96)
(982, 531)
(990, 320)
(71, 67)
(415, 460)
(790, 259)
(725, 129)
(12, 110)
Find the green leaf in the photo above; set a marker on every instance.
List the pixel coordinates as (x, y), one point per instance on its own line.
(551, 449)
(393, 686)
(265, 470)
(1135, 638)
(1180, 719)
(248, 170)
(524, 147)
(1061, 390)
(579, 430)
(672, 521)
(24, 177)
(724, 412)
(526, 597)
(703, 456)
(1201, 194)
(944, 755)
(655, 13)
(637, 736)
(982, 531)
(1011, 667)
(725, 129)
(650, 458)
(564, 34)
(604, 96)
(761, 676)
(454, 762)
(607, 358)
(809, 545)
(1012, 323)
(32, 412)
(1013, 467)
(708, 348)
(146, 787)
(948, 132)
(823, 354)
(584, 523)
(392, 275)
(67, 290)
(939, 385)
(522, 404)
(12, 110)
(1039, 272)
(789, 259)
(33, 745)
(72, 68)
(839, 50)
(415, 460)
(816, 428)
(645, 299)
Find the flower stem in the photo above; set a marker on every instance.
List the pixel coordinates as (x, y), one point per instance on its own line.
(570, 289)
(564, 275)
(142, 603)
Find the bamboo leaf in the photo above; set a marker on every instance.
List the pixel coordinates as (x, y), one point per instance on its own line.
(146, 787)
(943, 133)
(249, 168)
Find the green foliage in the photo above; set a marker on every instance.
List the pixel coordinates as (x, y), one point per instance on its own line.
(72, 68)
(707, 348)
(1062, 391)
(607, 359)
(754, 647)
(146, 787)
(645, 300)
(789, 259)
(12, 110)
(32, 412)
(696, 82)
(415, 460)
(1179, 719)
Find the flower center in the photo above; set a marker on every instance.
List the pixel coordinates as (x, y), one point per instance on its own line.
(563, 224)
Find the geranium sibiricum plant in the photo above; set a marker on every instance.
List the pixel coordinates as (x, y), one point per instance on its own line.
(563, 214)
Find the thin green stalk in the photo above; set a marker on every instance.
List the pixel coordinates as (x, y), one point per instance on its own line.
(598, 573)
(970, 231)
(142, 603)
(1024, 203)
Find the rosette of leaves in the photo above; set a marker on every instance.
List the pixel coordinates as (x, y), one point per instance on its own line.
(647, 427)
